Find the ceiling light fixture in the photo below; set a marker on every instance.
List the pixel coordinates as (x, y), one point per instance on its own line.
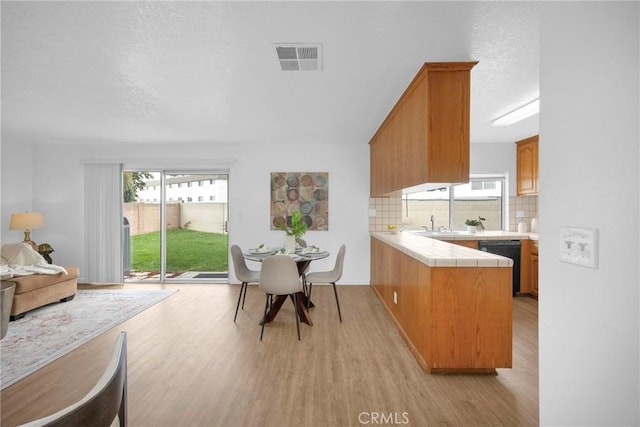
(520, 113)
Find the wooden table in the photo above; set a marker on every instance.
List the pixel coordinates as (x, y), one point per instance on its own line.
(302, 262)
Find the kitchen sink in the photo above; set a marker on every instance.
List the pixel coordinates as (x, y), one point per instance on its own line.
(440, 233)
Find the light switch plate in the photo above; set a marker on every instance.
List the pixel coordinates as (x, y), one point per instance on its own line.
(579, 246)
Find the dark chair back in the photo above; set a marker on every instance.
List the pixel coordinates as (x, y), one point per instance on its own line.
(106, 400)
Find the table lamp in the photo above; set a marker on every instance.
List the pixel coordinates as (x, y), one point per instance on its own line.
(27, 221)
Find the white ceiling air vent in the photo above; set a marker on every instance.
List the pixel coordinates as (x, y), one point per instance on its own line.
(299, 57)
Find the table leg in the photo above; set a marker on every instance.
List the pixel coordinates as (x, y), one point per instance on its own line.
(303, 266)
(273, 309)
(305, 299)
(277, 304)
(302, 309)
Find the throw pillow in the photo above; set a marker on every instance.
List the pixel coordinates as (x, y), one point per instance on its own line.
(20, 254)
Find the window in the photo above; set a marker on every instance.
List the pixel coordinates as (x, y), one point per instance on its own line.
(449, 207)
(483, 185)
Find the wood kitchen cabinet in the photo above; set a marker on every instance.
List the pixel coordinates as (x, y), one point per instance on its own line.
(534, 268)
(527, 166)
(525, 267)
(425, 137)
(529, 267)
(454, 319)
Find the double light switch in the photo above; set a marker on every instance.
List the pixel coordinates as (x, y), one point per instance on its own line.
(579, 246)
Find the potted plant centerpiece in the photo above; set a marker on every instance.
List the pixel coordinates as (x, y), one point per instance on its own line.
(472, 225)
(294, 231)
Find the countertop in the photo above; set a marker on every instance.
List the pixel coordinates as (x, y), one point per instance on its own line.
(436, 253)
(480, 235)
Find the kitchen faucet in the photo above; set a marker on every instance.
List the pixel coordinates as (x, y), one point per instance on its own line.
(433, 227)
(481, 226)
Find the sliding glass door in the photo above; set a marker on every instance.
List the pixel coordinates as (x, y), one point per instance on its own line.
(175, 226)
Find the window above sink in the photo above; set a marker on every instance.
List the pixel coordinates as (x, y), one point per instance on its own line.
(451, 205)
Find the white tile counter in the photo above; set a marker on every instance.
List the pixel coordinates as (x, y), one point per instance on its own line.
(435, 253)
(480, 235)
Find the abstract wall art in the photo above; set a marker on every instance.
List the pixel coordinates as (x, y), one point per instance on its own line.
(304, 191)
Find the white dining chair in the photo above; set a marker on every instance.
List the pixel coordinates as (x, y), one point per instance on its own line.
(279, 276)
(331, 276)
(243, 273)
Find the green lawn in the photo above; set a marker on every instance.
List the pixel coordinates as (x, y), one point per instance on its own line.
(187, 250)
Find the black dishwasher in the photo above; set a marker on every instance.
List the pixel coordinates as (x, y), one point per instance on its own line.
(505, 248)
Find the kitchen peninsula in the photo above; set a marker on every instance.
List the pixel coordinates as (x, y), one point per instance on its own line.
(451, 303)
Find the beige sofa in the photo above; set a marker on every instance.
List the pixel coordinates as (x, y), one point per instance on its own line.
(17, 260)
(36, 290)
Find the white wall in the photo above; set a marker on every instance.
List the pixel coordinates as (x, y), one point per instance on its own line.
(49, 178)
(589, 159)
(498, 158)
(58, 187)
(16, 184)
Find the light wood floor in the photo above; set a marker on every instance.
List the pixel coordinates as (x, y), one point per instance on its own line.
(191, 365)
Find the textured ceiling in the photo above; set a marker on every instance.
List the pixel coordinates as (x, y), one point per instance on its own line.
(207, 71)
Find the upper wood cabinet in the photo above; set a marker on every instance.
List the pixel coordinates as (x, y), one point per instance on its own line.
(425, 137)
(527, 165)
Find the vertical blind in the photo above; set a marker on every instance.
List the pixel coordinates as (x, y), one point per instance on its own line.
(103, 222)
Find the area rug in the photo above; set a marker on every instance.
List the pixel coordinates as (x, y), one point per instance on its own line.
(47, 333)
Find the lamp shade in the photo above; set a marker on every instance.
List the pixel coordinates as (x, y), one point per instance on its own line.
(26, 221)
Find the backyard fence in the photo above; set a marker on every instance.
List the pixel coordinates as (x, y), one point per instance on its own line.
(207, 217)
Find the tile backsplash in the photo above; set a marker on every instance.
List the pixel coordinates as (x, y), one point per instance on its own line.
(388, 210)
(522, 209)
